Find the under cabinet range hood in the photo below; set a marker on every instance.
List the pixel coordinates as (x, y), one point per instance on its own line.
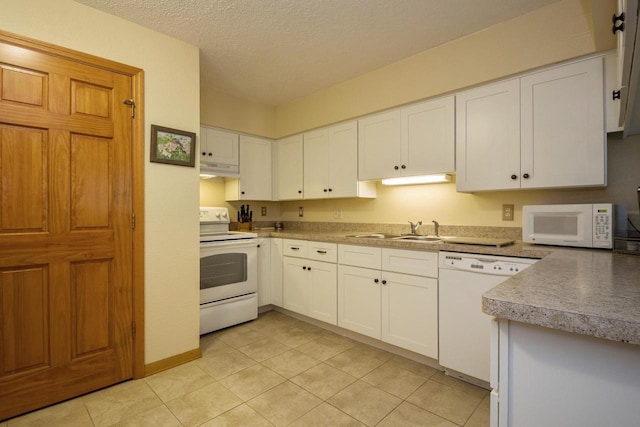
(219, 169)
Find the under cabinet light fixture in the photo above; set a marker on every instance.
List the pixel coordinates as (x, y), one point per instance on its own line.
(422, 179)
(206, 176)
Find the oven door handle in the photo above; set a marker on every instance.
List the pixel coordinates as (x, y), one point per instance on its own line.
(229, 244)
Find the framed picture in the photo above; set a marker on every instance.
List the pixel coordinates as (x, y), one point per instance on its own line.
(172, 146)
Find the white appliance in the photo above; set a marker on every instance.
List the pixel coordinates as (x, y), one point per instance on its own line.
(464, 330)
(581, 225)
(228, 272)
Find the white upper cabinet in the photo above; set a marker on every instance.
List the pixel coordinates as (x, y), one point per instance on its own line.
(379, 146)
(562, 118)
(255, 171)
(428, 137)
(414, 140)
(331, 163)
(218, 147)
(288, 168)
(488, 137)
(543, 130)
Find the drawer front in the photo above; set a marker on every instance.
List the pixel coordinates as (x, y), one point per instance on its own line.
(322, 251)
(410, 262)
(360, 256)
(295, 248)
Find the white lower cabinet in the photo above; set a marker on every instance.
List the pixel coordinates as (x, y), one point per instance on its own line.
(276, 271)
(395, 307)
(264, 271)
(310, 285)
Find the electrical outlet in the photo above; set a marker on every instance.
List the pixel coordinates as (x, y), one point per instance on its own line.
(263, 211)
(507, 212)
(337, 214)
(300, 211)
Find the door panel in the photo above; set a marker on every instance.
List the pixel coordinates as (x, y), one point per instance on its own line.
(23, 167)
(65, 235)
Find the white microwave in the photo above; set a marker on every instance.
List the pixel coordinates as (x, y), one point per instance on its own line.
(582, 225)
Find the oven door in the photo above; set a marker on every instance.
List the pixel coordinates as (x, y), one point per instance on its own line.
(228, 269)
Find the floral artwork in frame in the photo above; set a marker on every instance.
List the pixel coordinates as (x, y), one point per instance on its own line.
(172, 146)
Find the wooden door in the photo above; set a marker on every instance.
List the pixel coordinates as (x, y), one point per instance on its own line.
(65, 229)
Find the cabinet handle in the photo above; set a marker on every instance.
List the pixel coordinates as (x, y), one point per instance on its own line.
(617, 27)
(514, 177)
(375, 280)
(615, 95)
(525, 176)
(321, 252)
(403, 167)
(384, 282)
(293, 248)
(396, 167)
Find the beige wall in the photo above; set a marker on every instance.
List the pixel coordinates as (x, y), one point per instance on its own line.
(228, 112)
(171, 192)
(557, 32)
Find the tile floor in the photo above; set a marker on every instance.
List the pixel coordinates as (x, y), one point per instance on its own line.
(279, 371)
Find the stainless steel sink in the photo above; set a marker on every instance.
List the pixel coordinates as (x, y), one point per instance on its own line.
(374, 236)
(431, 239)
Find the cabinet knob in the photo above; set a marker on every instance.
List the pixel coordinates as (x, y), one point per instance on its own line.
(396, 167)
(375, 280)
(330, 190)
(525, 176)
(615, 95)
(384, 282)
(299, 191)
(204, 154)
(210, 154)
(325, 190)
(304, 268)
(242, 192)
(309, 268)
(514, 177)
(403, 167)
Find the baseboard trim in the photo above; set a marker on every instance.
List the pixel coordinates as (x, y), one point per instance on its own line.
(172, 362)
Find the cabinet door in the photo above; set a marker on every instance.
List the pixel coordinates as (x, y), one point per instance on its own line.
(379, 146)
(264, 271)
(289, 169)
(563, 137)
(218, 146)
(316, 164)
(359, 300)
(410, 312)
(276, 271)
(296, 285)
(428, 137)
(488, 137)
(323, 297)
(343, 160)
(255, 168)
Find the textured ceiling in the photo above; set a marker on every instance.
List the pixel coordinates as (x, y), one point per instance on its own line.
(274, 51)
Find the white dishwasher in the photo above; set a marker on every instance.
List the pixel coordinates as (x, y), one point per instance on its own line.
(464, 330)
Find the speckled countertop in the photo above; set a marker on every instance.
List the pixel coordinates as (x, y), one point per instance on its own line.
(591, 292)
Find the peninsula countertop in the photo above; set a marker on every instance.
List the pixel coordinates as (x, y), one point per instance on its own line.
(590, 292)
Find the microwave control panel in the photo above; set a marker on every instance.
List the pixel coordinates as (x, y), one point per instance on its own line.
(602, 221)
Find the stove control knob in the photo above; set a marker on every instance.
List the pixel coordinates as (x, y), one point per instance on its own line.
(218, 215)
(224, 214)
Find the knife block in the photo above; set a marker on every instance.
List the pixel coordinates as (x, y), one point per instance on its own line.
(244, 226)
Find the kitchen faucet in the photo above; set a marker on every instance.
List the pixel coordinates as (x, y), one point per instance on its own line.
(437, 226)
(415, 226)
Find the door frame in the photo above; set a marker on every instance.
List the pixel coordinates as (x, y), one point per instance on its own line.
(138, 162)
